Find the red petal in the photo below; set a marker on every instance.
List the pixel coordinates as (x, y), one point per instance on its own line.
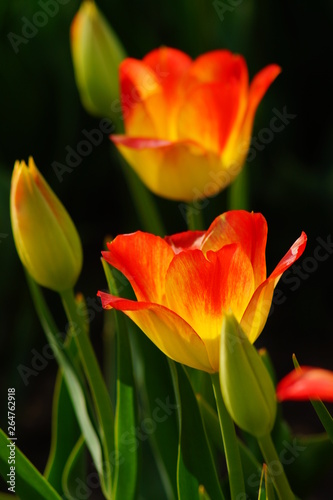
(170, 333)
(306, 383)
(208, 114)
(144, 259)
(219, 66)
(188, 240)
(247, 229)
(291, 256)
(169, 66)
(258, 88)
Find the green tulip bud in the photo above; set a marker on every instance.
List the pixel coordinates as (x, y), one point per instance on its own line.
(45, 237)
(246, 385)
(96, 54)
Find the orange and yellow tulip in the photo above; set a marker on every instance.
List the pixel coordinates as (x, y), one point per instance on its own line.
(185, 283)
(188, 123)
(306, 383)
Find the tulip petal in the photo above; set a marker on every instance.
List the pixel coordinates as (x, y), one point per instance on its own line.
(256, 314)
(229, 71)
(247, 229)
(208, 114)
(219, 66)
(169, 65)
(306, 383)
(258, 88)
(178, 171)
(291, 256)
(169, 332)
(144, 259)
(137, 84)
(198, 289)
(188, 240)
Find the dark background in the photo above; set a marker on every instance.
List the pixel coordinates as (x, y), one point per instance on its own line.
(290, 177)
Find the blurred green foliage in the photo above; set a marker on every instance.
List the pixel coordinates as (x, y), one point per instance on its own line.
(290, 176)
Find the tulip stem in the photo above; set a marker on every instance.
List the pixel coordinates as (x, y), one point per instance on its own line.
(194, 218)
(143, 201)
(275, 468)
(96, 383)
(231, 449)
(238, 192)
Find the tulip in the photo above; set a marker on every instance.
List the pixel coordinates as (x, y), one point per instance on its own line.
(188, 123)
(185, 282)
(306, 383)
(246, 385)
(45, 237)
(96, 54)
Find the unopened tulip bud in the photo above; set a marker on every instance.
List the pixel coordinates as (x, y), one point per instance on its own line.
(46, 239)
(96, 53)
(246, 385)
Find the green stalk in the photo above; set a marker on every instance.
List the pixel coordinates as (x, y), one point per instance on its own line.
(194, 218)
(96, 383)
(238, 192)
(232, 455)
(272, 460)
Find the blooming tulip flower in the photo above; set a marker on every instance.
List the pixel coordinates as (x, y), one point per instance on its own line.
(188, 123)
(96, 53)
(306, 383)
(45, 236)
(185, 282)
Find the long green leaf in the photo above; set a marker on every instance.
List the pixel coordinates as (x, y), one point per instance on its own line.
(158, 400)
(73, 385)
(250, 465)
(65, 432)
(101, 398)
(29, 483)
(196, 468)
(75, 470)
(126, 441)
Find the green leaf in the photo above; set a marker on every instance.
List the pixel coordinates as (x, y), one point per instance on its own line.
(99, 393)
(250, 465)
(126, 441)
(158, 403)
(29, 483)
(196, 467)
(65, 432)
(72, 381)
(75, 470)
(157, 398)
